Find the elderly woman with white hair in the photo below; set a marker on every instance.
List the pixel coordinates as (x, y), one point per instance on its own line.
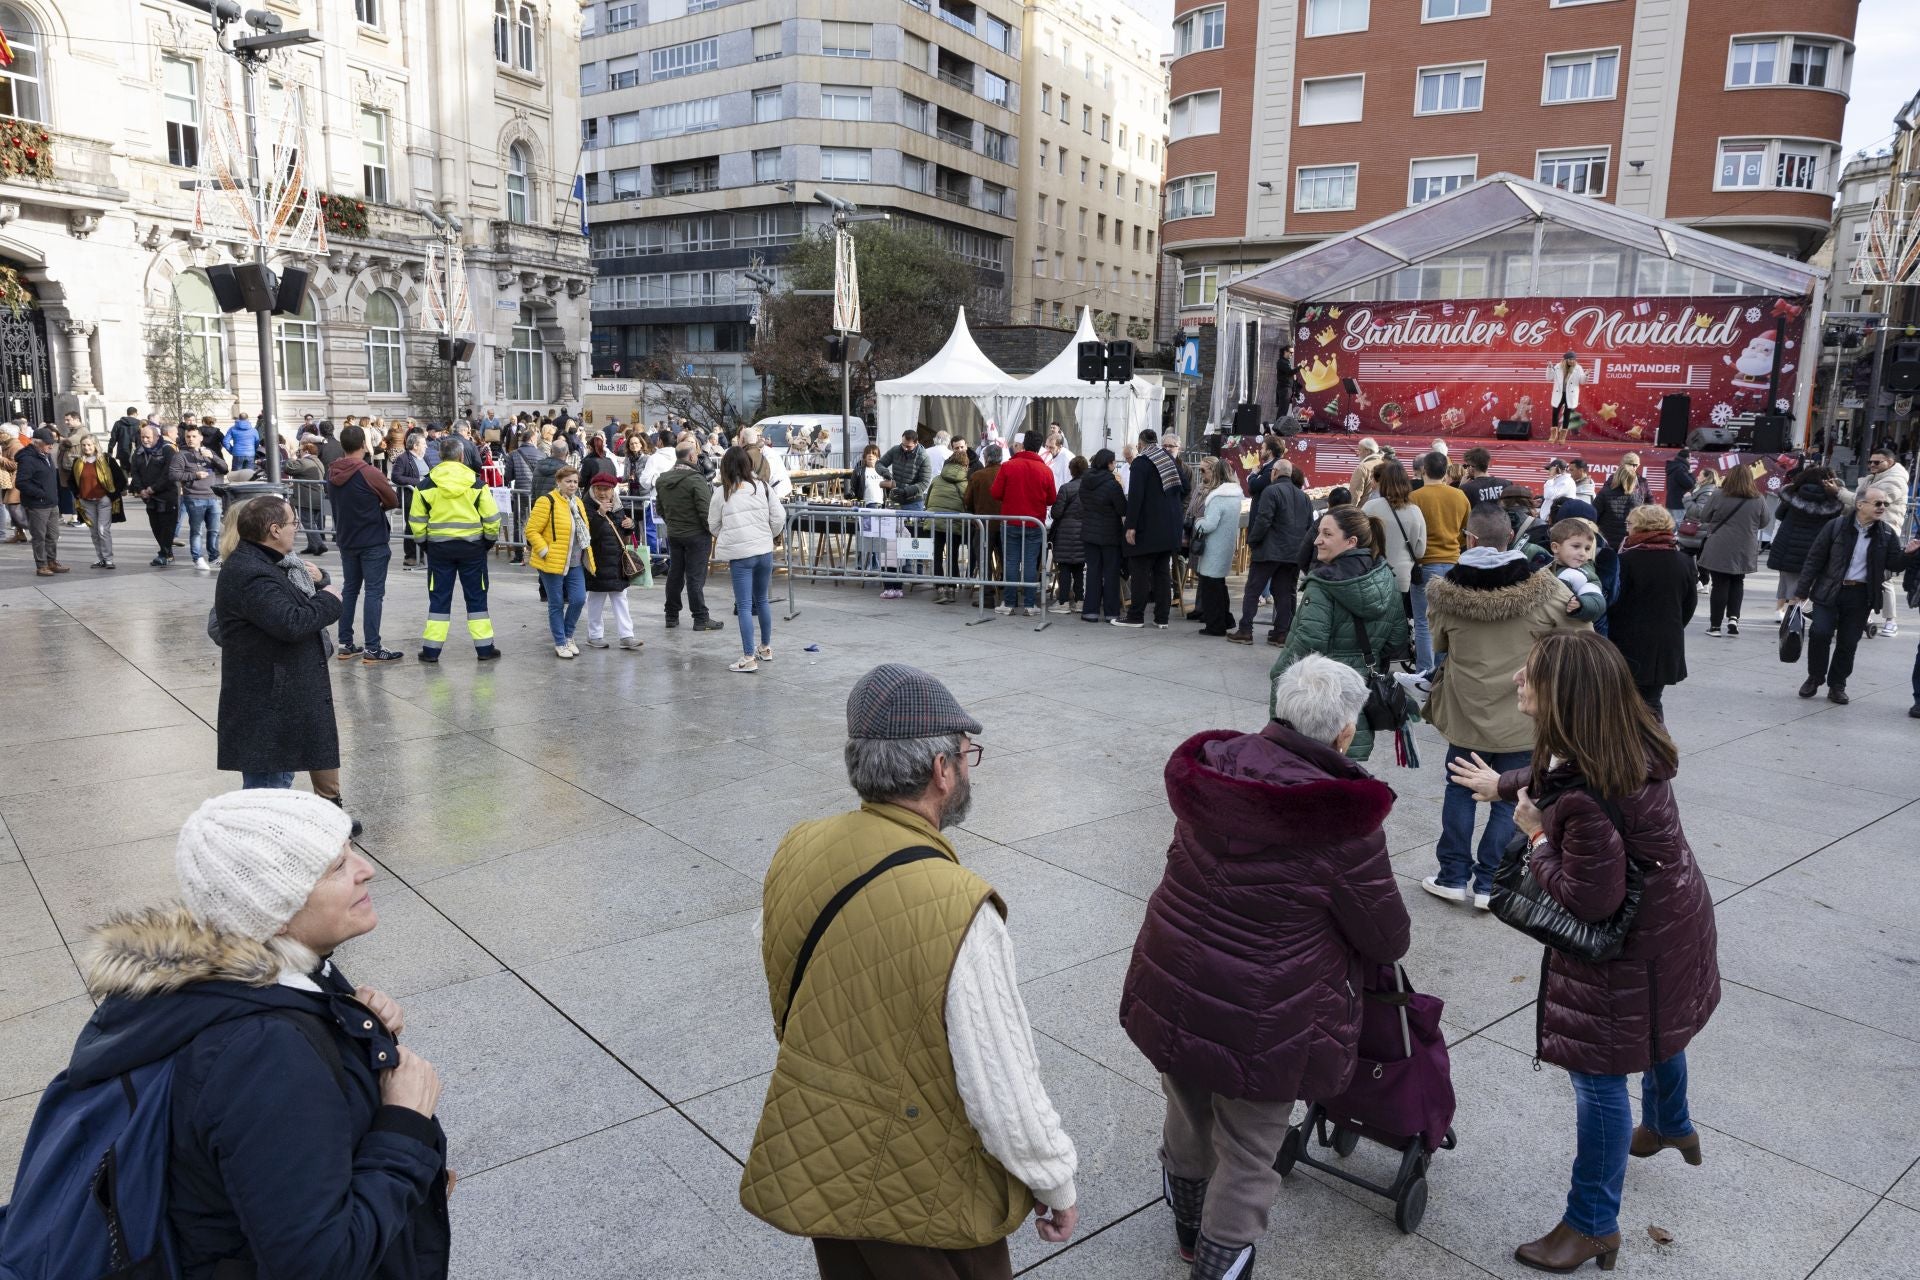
(1244, 986)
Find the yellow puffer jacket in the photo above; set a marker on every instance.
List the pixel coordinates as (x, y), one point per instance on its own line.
(550, 526)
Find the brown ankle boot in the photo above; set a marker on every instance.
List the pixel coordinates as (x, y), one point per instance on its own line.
(1564, 1249)
(1648, 1143)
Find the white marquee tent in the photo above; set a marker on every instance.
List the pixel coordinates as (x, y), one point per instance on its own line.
(959, 391)
(1094, 415)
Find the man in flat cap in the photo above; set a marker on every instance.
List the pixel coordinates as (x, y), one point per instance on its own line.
(906, 1131)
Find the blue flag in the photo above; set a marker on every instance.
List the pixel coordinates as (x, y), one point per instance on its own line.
(580, 194)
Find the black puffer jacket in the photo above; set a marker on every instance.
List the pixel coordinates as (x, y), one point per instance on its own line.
(1613, 504)
(604, 535)
(1282, 517)
(1803, 510)
(1069, 525)
(1832, 553)
(1103, 509)
(276, 692)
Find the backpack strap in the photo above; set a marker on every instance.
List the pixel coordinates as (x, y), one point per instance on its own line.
(915, 853)
(321, 1039)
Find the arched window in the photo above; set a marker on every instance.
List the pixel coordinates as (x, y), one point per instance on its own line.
(519, 187)
(386, 346)
(201, 349)
(296, 349)
(22, 96)
(525, 59)
(526, 360)
(502, 32)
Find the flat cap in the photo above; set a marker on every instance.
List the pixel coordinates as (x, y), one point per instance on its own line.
(897, 701)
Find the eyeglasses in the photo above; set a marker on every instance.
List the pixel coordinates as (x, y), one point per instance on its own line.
(972, 753)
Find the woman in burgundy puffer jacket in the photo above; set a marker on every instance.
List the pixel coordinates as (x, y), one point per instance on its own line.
(1244, 990)
(1607, 797)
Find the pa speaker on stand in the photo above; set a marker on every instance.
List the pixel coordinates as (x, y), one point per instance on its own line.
(1675, 410)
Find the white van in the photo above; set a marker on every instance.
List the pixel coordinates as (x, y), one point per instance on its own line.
(781, 429)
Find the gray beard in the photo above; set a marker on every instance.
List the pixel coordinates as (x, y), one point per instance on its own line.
(955, 810)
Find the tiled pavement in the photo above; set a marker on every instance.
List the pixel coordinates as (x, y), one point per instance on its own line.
(571, 856)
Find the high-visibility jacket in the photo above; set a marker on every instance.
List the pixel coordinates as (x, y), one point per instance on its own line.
(452, 507)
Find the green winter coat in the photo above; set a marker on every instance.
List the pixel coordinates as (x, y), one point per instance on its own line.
(1360, 584)
(949, 489)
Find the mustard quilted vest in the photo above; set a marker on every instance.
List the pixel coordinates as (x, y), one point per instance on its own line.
(864, 1136)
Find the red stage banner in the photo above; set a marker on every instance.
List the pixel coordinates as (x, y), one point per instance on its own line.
(1457, 368)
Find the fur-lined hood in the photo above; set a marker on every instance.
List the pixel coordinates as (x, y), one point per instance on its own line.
(1511, 591)
(1811, 499)
(1245, 787)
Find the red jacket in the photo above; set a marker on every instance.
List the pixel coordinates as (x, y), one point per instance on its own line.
(1025, 486)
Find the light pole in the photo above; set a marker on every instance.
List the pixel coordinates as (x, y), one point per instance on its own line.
(452, 349)
(845, 212)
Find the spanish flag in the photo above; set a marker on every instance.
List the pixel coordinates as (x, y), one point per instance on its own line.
(6, 51)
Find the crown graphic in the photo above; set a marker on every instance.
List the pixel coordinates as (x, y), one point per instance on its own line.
(1325, 336)
(1249, 461)
(1320, 375)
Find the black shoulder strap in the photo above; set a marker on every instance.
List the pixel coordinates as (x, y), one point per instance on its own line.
(1360, 629)
(317, 1035)
(915, 853)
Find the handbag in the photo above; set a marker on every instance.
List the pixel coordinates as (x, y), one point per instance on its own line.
(1689, 528)
(1519, 902)
(1387, 709)
(1418, 574)
(1793, 630)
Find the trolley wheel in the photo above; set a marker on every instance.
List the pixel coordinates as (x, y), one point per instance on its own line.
(1449, 1142)
(1289, 1151)
(1410, 1206)
(1345, 1141)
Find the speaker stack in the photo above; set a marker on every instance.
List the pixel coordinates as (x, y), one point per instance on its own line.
(1513, 429)
(1675, 411)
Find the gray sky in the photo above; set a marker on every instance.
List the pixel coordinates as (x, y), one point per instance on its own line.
(1886, 72)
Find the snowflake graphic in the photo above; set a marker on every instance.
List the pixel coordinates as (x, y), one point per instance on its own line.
(1753, 315)
(1351, 422)
(1782, 405)
(1305, 333)
(1722, 414)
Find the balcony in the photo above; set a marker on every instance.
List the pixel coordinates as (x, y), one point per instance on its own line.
(64, 172)
(953, 19)
(958, 80)
(954, 195)
(686, 178)
(958, 139)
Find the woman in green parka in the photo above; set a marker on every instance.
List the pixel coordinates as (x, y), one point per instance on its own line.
(1350, 585)
(948, 493)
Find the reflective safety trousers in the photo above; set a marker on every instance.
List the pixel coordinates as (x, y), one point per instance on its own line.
(443, 572)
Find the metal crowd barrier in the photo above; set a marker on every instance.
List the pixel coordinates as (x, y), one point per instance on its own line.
(315, 512)
(828, 543)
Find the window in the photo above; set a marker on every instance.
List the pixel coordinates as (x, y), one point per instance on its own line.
(519, 190)
(367, 12)
(1087, 69)
(993, 88)
(21, 93)
(1195, 114)
(373, 154)
(1336, 17)
(766, 42)
(996, 145)
(622, 17)
(1190, 197)
(1594, 275)
(915, 114)
(588, 25)
(623, 128)
(1199, 286)
(1433, 178)
(1808, 64)
(1444, 89)
(618, 241)
(1326, 186)
(1136, 191)
(1123, 139)
(846, 164)
(1106, 128)
(838, 102)
(1083, 220)
(1086, 119)
(846, 39)
(1799, 61)
(1202, 29)
(1103, 177)
(296, 349)
(1584, 173)
(1066, 109)
(1336, 101)
(1582, 77)
(503, 32)
(996, 33)
(526, 360)
(916, 174)
(1043, 210)
(766, 165)
(180, 98)
(915, 50)
(202, 332)
(686, 59)
(525, 45)
(689, 116)
(1442, 278)
(686, 176)
(995, 198)
(590, 81)
(589, 134)
(1443, 10)
(766, 105)
(1758, 164)
(1100, 228)
(623, 72)
(1046, 100)
(625, 183)
(1086, 167)
(386, 348)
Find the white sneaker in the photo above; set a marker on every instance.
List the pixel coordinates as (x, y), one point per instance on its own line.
(200, 563)
(1063, 608)
(596, 644)
(744, 665)
(573, 650)
(1033, 611)
(563, 651)
(1417, 683)
(1889, 628)
(628, 642)
(1483, 902)
(1005, 609)
(1452, 893)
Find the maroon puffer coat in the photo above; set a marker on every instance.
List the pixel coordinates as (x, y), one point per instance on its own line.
(1643, 1006)
(1246, 976)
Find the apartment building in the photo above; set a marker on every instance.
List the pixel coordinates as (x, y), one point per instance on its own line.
(1725, 114)
(708, 128)
(1093, 121)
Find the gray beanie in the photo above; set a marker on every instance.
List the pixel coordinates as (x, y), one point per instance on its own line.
(248, 859)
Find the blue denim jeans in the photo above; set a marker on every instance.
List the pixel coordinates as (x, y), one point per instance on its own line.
(566, 597)
(1605, 1118)
(1022, 543)
(1422, 639)
(203, 527)
(265, 781)
(363, 567)
(1455, 853)
(752, 580)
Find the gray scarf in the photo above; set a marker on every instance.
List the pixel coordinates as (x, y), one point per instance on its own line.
(303, 583)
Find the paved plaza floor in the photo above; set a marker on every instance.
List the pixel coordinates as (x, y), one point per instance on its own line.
(571, 857)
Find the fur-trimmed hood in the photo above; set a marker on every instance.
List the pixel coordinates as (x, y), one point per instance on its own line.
(1811, 498)
(1243, 787)
(1510, 591)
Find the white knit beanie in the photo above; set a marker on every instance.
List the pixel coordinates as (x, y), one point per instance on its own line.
(248, 859)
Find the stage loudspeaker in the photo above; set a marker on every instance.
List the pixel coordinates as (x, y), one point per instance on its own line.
(1289, 425)
(1902, 372)
(1770, 432)
(1120, 358)
(257, 285)
(292, 293)
(1092, 359)
(455, 350)
(1246, 420)
(1710, 439)
(226, 290)
(1675, 411)
(1513, 429)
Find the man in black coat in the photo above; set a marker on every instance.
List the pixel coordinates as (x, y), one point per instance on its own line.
(1845, 570)
(1679, 481)
(152, 482)
(1154, 516)
(38, 480)
(1282, 517)
(124, 438)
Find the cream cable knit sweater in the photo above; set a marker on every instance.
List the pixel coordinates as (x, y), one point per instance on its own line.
(997, 1069)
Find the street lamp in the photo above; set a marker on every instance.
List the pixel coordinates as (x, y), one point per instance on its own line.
(845, 213)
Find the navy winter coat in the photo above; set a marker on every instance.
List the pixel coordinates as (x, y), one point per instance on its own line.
(1103, 509)
(1804, 509)
(1155, 515)
(276, 693)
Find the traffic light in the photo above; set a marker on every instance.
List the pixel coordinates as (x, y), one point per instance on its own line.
(1093, 362)
(1120, 361)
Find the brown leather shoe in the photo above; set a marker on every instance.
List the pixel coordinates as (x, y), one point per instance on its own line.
(57, 567)
(1648, 1143)
(43, 572)
(1564, 1249)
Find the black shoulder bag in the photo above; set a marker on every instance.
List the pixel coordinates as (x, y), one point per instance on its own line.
(1519, 901)
(1386, 709)
(1419, 573)
(915, 853)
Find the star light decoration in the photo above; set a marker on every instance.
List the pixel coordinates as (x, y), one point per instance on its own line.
(1500, 309)
(1361, 400)
(1609, 412)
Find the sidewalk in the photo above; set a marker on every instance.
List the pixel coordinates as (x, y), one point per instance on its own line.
(571, 856)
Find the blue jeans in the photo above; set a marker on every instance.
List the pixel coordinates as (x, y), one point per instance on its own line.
(1605, 1119)
(1422, 638)
(1457, 862)
(566, 597)
(363, 567)
(1022, 543)
(752, 579)
(259, 781)
(203, 527)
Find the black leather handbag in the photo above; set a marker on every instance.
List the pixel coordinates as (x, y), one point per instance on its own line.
(1519, 901)
(1793, 630)
(1387, 708)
